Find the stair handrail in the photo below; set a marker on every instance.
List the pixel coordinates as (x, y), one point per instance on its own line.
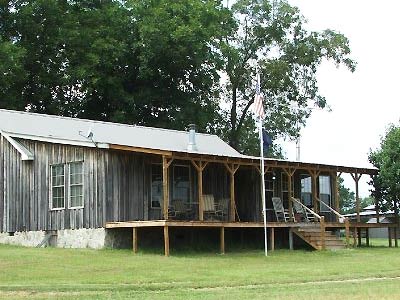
(307, 209)
(332, 210)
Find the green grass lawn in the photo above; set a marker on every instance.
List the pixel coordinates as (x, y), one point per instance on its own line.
(364, 273)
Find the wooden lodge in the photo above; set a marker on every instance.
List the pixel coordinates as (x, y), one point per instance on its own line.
(63, 175)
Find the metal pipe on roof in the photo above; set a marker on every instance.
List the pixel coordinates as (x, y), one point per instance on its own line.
(192, 138)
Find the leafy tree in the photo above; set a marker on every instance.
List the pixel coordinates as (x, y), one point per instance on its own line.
(386, 185)
(346, 198)
(287, 55)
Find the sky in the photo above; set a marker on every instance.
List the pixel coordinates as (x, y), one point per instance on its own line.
(363, 103)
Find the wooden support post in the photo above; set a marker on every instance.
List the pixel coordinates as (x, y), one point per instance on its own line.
(289, 173)
(355, 237)
(322, 223)
(232, 168)
(367, 237)
(134, 240)
(390, 236)
(356, 178)
(314, 176)
(335, 180)
(359, 237)
(166, 241)
(222, 240)
(166, 165)
(272, 237)
(290, 239)
(395, 237)
(200, 168)
(290, 198)
(347, 229)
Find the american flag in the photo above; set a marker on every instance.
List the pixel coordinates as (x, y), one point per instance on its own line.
(258, 107)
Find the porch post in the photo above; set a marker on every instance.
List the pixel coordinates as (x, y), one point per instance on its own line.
(356, 178)
(222, 240)
(134, 240)
(166, 165)
(367, 236)
(314, 175)
(166, 241)
(232, 168)
(200, 167)
(289, 173)
(290, 239)
(390, 236)
(272, 237)
(335, 180)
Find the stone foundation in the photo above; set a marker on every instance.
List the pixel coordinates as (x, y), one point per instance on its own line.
(25, 238)
(95, 238)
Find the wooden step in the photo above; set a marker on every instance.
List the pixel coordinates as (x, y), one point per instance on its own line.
(312, 235)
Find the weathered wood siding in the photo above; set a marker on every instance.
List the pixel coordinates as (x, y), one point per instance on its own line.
(115, 187)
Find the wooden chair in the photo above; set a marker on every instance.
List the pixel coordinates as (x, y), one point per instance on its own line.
(304, 214)
(210, 209)
(223, 208)
(178, 210)
(281, 214)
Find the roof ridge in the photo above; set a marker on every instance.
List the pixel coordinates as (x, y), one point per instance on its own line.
(103, 122)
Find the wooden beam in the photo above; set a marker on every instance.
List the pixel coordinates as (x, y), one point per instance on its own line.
(395, 237)
(134, 240)
(222, 240)
(141, 150)
(354, 237)
(356, 178)
(335, 180)
(359, 237)
(272, 239)
(367, 236)
(166, 241)
(390, 236)
(322, 223)
(200, 166)
(232, 170)
(165, 164)
(290, 239)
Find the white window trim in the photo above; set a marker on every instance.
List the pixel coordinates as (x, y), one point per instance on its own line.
(51, 187)
(69, 185)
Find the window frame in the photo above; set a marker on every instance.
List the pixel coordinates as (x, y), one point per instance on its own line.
(51, 187)
(69, 184)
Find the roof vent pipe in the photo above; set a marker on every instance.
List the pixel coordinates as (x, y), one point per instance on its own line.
(192, 138)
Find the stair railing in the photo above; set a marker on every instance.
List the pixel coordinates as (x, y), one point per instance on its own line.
(317, 216)
(341, 217)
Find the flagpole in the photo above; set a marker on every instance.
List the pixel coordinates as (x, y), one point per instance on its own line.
(260, 127)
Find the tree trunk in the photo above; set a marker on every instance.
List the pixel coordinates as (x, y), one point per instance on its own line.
(233, 136)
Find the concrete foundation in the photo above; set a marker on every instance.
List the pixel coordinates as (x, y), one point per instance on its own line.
(95, 238)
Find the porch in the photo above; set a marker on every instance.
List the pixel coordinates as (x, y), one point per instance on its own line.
(356, 232)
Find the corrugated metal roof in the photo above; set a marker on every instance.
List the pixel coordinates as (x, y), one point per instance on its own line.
(55, 128)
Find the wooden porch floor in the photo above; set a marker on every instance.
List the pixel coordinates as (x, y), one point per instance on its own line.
(356, 228)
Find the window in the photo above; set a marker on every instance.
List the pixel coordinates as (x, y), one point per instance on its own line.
(181, 187)
(70, 175)
(325, 192)
(156, 185)
(57, 186)
(306, 190)
(75, 185)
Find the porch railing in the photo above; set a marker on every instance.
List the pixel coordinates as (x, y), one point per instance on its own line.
(341, 217)
(321, 220)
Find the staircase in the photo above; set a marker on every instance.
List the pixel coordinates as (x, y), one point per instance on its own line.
(313, 235)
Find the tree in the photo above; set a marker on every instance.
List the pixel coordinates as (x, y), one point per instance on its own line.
(144, 62)
(275, 40)
(386, 184)
(346, 198)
